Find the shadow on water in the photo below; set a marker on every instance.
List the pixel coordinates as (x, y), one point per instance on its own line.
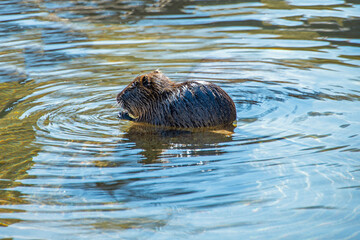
(154, 141)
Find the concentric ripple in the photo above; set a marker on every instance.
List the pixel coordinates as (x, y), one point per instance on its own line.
(70, 169)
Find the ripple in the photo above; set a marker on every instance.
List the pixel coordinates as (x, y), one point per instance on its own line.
(68, 163)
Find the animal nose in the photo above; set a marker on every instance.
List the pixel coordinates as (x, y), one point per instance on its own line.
(120, 95)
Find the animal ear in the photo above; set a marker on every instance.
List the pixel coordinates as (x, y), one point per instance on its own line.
(145, 81)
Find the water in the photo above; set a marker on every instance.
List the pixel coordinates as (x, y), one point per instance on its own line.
(71, 170)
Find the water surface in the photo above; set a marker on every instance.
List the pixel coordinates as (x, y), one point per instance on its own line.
(69, 169)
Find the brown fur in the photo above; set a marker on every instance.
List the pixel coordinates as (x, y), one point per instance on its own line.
(154, 99)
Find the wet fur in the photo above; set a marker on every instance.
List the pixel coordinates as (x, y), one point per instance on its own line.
(154, 99)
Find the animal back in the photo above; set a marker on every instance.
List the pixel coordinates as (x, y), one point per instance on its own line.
(200, 104)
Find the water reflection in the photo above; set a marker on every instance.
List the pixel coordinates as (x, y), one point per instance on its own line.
(116, 11)
(154, 141)
(67, 162)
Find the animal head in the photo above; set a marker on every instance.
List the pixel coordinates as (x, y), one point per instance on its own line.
(143, 93)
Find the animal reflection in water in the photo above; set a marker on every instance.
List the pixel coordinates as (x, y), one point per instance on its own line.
(155, 141)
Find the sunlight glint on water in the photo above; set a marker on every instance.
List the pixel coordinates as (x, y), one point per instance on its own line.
(70, 169)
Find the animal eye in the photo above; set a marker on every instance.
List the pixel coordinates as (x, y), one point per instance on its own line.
(145, 81)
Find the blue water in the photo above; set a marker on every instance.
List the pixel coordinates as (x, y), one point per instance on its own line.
(70, 169)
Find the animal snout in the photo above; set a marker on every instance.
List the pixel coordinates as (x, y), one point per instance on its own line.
(120, 97)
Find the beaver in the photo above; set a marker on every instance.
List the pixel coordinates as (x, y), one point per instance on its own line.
(153, 98)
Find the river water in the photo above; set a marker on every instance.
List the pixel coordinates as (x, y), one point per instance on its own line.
(70, 169)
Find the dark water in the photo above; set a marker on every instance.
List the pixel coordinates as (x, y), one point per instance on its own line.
(69, 169)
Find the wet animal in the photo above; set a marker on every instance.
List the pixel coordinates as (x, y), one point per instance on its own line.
(153, 98)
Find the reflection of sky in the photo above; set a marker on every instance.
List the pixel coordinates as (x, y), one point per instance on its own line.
(291, 161)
